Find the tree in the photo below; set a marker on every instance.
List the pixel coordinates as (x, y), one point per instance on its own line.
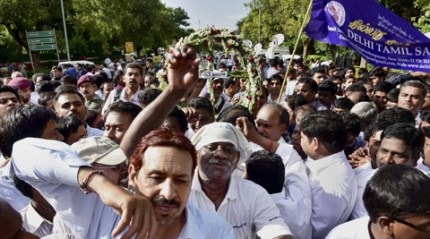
(422, 22)
(286, 16)
(95, 27)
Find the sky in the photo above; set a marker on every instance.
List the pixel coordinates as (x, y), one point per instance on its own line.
(218, 13)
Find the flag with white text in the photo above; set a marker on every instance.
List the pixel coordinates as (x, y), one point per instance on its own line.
(374, 32)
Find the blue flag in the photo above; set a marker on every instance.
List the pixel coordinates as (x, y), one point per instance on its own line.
(378, 35)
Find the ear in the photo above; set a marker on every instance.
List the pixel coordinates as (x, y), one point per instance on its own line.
(315, 144)
(283, 127)
(385, 225)
(132, 176)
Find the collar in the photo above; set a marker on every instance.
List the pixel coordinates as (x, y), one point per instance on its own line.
(282, 140)
(278, 196)
(190, 229)
(231, 191)
(34, 219)
(325, 161)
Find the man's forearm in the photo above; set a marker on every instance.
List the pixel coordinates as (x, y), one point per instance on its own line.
(149, 119)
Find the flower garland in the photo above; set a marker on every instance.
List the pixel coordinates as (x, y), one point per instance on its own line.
(210, 40)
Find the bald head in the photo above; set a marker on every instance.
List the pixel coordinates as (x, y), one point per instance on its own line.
(272, 121)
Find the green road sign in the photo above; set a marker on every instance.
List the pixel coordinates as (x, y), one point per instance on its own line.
(41, 40)
(42, 47)
(40, 34)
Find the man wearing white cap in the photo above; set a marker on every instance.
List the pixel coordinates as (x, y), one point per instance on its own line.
(242, 203)
(103, 154)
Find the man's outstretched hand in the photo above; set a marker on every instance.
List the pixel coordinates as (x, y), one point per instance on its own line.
(182, 69)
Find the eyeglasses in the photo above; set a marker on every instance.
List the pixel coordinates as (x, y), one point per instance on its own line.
(410, 225)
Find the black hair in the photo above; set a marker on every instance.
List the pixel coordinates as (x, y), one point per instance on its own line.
(392, 116)
(352, 123)
(356, 87)
(28, 120)
(425, 116)
(69, 80)
(231, 113)
(343, 103)
(45, 97)
(426, 132)
(180, 116)
(309, 81)
(362, 71)
(92, 117)
(98, 79)
(148, 95)
(117, 75)
(393, 95)
(294, 101)
(328, 86)
(135, 66)
(320, 70)
(46, 87)
(410, 136)
(201, 103)
(68, 125)
(383, 86)
(67, 89)
(276, 77)
(378, 72)
(273, 62)
(11, 89)
(125, 108)
(328, 127)
(397, 191)
(267, 170)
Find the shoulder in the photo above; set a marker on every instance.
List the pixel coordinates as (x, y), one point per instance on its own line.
(248, 188)
(205, 224)
(355, 229)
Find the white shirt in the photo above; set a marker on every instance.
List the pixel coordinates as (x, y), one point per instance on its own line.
(289, 89)
(424, 168)
(363, 175)
(8, 191)
(245, 205)
(296, 206)
(134, 99)
(202, 224)
(334, 191)
(283, 98)
(271, 71)
(91, 132)
(34, 223)
(53, 170)
(355, 229)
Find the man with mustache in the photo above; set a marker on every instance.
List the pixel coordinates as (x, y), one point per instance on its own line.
(87, 87)
(272, 122)
(162, 169)
(133, 79)
(245, 205)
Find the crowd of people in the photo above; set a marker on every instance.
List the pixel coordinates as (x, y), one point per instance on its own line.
(94, 153)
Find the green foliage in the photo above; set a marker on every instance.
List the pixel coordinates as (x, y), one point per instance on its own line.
(273, 17)
(422, 22)
(269, 17)
(95, 27)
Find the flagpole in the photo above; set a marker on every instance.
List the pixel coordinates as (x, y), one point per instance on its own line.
(294, 50)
